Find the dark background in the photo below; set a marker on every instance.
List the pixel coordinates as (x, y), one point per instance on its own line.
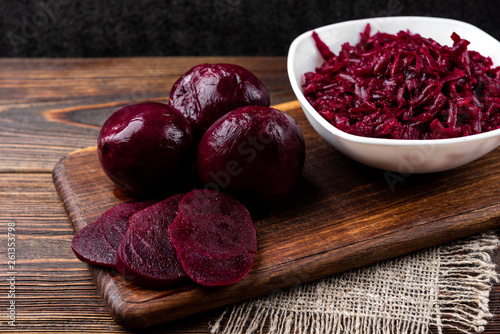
(91, 28)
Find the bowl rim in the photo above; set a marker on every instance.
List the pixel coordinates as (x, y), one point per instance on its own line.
(308, 108)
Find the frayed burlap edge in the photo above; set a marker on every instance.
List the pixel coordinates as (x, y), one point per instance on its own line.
(466, 276)
(456, 296)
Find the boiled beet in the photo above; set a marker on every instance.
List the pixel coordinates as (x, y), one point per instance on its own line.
(97, 242)
(254, 153)
(145, 254)
(214, 237)
(84, 251)
(145, 148)
(208, 91)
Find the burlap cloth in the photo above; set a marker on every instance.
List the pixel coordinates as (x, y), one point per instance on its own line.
(443, 286)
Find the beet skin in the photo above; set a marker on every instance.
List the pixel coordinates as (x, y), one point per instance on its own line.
(254, 153)
(208, 91)
(144, 147)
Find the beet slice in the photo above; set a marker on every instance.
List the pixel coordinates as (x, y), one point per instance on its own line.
(115, 226)
(138, 261)
(81, 241)
(97, 242)
(145, 254)
(102, 252)
(214, 237)
(222, 237)
(205, 201)
(215, 271)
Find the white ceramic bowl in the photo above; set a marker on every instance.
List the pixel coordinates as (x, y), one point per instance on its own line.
(403, 156)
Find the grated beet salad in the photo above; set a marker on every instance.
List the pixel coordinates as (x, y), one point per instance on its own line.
(405, 86)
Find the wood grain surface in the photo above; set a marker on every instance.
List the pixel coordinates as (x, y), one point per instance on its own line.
(51, 107)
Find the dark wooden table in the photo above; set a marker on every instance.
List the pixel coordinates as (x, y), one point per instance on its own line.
(48, 108)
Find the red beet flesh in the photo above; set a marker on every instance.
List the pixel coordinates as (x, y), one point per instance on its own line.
(405, 86)
(97, 242)
(214, 237)
(208, 91)
(144, 147)
(145, 254)
(254, 153)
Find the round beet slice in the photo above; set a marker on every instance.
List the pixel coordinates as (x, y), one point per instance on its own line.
(81, 244)
(145, 254)
(146, 218)
(214, 237)
(208, 270)
(114, 226)
(140, 262)
(96, 243)
(206, 201)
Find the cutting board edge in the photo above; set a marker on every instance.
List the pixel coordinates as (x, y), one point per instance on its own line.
(58, 172)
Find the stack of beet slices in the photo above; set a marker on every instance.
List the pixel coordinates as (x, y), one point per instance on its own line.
(204, 235)
(96, 243)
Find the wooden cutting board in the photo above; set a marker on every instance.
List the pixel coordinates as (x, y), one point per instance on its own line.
(342, 215)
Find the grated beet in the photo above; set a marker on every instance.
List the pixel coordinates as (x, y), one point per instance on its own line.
(405, 86)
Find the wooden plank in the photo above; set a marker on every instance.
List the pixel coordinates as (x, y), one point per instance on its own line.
(342, 215)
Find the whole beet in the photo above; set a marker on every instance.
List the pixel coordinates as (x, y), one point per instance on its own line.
(208, 91)
(254, 153)
(144, 147)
